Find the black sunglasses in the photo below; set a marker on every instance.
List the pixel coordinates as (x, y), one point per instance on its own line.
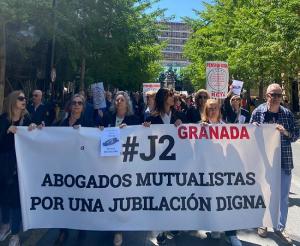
(21, 98)
(77, 102)
(273, 95)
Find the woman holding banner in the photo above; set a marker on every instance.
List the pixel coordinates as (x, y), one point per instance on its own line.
(120, 115)
(212, 115)
(121, 112)
(75, 119)
(164, 113)
(15, 114)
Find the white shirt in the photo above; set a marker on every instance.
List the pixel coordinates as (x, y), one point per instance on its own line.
(166, 118)
(119, 121)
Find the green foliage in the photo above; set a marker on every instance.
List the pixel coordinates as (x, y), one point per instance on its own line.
(259, 39)
(117, 38)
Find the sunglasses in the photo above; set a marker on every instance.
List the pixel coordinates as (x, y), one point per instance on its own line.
(80, 103)
(236, 99)
(202, 97)
(273, 95)
(21, 98)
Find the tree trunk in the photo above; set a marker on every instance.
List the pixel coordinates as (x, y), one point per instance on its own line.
(261, 89)
(82, 74)
(2, 63)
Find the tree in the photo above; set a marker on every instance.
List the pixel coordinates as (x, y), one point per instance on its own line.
(259, 39)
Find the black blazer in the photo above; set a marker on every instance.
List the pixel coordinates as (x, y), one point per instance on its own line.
(109, 120)
(175, 116)
(229, 116)
(193, 115)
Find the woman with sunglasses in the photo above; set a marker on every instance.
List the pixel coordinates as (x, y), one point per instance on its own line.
(75, 119)
(232, 110)
(15, 114)
(76, 113)
(212, 115)
(194, 113)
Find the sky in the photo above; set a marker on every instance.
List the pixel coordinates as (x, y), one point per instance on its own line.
(181, 8)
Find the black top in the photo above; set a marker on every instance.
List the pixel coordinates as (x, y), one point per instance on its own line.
(271, 117)
(230, 116)
(109, 120)
(38, 114)
(175, 116)
(193, 115)
(83, 121)
(7, 140)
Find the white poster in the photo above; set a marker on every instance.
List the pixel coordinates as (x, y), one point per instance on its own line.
(237, 87)
(110, 142)
(98, 95)
(217, 77)
(216, 178)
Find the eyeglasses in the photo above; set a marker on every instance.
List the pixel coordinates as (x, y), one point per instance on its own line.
(80, 103)
(273, 95)
(21, 98)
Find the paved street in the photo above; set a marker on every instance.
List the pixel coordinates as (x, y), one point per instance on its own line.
(248, 237)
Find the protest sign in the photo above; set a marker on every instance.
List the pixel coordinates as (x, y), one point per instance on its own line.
(219, 177)
(98, 95)
(237, 87)
(217, 77)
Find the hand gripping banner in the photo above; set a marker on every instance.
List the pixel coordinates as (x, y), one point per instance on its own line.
(220, 177)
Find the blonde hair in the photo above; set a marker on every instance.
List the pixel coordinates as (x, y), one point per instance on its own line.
(197, 95)
(10, 105)
(209, 102)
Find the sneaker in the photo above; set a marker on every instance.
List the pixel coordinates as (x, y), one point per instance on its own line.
(262, 231)
(234, 241)
(215, 235)
(14, 240)
(171, 234)
(284, 236)
(161, 239)
(4, 232)
(118, 239)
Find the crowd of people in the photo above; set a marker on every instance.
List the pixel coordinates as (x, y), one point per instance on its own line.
(162, 107)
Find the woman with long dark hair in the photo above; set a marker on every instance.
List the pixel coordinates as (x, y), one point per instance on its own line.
(15, 114)
(164, 112)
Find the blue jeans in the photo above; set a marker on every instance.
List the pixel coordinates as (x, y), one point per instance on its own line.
(286, 180)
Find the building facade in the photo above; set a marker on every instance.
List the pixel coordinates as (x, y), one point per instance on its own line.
(176, 34)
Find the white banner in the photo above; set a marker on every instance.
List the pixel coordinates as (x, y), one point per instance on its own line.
(217, 77)
(221, 177)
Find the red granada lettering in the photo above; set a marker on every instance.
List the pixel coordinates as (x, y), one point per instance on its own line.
(182, 133)
(193, 132)
(234, 132)
(244, 133)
